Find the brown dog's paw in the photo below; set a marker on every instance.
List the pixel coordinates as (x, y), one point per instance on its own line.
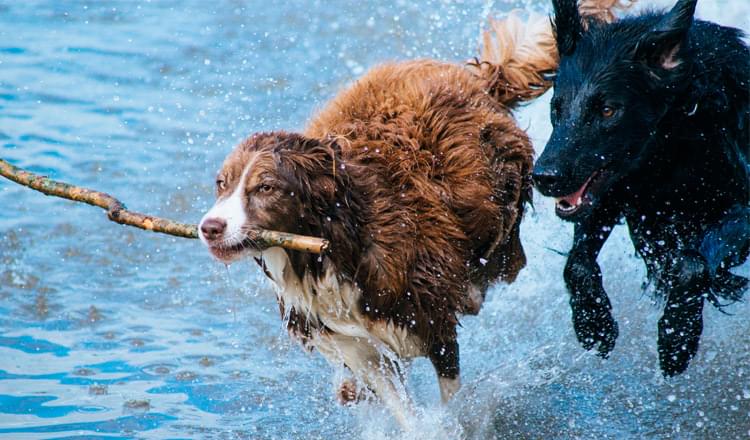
(347, 392)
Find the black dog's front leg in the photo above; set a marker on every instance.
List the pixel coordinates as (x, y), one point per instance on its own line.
(691, 276)
(592, 319)
(681, 325)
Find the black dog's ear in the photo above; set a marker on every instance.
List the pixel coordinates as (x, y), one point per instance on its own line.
(660, 48)
(567, 25)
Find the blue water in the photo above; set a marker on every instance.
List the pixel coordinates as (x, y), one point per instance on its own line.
(110, 332)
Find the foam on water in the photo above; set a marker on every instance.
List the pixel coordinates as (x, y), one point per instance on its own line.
(109, 332)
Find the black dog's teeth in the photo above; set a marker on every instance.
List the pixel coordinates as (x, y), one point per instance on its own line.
(565, 206)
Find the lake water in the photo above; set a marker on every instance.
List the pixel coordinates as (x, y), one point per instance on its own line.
(111, 332)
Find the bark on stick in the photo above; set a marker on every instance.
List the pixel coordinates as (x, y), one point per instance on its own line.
(117, 212)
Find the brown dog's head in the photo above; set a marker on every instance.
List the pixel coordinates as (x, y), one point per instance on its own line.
(269, 181)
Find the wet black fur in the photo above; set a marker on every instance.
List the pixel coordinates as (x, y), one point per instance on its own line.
(671, 158)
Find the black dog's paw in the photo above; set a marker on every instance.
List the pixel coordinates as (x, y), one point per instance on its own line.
(679, 335)
(594, 325)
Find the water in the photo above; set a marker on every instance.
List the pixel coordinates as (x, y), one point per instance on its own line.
(111, 332)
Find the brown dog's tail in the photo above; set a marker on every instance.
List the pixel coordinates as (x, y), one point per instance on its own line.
(518, 57)
(602, 10)
(515, 57)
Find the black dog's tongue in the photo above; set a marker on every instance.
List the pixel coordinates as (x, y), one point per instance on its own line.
(572, 201)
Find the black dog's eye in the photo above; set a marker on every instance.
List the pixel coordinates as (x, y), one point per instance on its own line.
(264, 188)
(608, 111)
(221, 184)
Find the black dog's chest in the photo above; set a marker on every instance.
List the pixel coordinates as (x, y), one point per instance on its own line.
(660, 236)
(655, 235)
(682, 193)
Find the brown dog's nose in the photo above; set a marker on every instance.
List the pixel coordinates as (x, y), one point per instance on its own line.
(213, 228)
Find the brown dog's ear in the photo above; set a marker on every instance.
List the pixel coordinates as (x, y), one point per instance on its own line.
(307, 154)
(311, 165)
(661, 47)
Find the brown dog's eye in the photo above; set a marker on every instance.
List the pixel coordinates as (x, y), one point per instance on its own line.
(608, 111)
(264, 188)
(221, 184)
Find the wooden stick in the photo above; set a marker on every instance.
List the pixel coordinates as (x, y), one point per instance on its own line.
(117, 212)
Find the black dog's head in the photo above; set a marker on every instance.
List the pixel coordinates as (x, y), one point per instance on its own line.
(614, 85)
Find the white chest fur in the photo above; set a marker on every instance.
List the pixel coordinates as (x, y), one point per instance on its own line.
(334, 302)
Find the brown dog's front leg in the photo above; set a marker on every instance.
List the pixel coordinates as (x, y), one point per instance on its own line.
(444, 357)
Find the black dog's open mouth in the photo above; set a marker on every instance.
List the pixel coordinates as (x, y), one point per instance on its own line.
(573, 203)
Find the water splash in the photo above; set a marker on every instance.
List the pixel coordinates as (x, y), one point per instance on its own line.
(163, 334)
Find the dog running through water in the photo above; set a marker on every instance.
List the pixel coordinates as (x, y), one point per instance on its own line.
(417, 174)
(651, 122)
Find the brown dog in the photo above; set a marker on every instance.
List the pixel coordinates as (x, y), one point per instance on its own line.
(417, 174)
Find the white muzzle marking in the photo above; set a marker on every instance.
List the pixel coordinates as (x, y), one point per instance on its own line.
(231, 209)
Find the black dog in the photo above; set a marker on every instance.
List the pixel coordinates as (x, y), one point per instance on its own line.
(651, 122)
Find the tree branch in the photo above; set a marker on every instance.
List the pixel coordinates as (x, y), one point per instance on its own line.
(117, 212)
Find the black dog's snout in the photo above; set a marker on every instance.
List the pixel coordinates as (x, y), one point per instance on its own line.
(213, 228)
(546, 179)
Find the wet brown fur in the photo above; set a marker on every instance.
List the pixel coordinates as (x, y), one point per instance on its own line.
(412, 174)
